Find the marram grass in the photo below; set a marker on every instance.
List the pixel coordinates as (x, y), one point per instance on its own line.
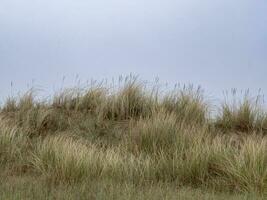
(136, 138)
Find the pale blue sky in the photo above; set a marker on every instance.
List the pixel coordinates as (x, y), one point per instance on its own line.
(218, 44)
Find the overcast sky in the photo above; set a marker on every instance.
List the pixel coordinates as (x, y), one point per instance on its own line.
(218, 44)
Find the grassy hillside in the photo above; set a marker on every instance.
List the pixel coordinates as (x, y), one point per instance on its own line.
(132, 142)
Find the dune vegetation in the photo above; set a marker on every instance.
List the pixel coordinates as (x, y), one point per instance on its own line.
(132, 142)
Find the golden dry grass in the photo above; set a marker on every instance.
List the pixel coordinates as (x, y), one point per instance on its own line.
(132, 136)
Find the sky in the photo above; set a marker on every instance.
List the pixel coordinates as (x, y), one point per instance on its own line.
(218, 44)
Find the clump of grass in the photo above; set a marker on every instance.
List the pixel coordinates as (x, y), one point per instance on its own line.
(81, 100)
(246, 115)
(178, 153)
(93, 101)
(188, 159)
(10, 105)
(130, 101)
(155, 134)
(13, 146)
(66, 160)
(24, 103)
(245, 169)
(40, 120)
(188, 104)
(196, 167)
(61, 159)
